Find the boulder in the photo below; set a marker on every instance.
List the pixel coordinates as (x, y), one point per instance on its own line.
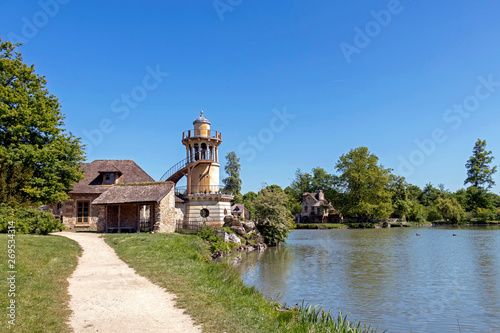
(233, 239)
(239, 230)
(260, 246)
(228, 219)
(236, 222)
(249, 226)
(223, 234)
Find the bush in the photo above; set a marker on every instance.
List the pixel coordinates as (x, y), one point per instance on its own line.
(28, 220)
(485, 214)
(217, 243)
(432, 214)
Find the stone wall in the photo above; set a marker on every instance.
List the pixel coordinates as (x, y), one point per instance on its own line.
(165, 214)
(217, 211)
(96, 214)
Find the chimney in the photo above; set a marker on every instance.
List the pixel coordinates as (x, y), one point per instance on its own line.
(321, 195)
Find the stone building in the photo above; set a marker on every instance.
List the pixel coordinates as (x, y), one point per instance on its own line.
(316, 209)
(79, 212)
(239, 210)
(203, 200)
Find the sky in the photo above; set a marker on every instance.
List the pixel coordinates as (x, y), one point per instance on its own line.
(290, 85)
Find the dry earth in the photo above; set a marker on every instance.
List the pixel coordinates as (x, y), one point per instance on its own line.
(109, 296)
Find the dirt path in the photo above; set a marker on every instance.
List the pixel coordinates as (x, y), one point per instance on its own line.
(108, 296)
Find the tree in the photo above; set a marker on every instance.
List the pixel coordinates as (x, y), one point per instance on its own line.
(33, 142)
(479, 171)
(319, 179)
(232, 168)
(401, 197)
(450, 209)
(274, 219)
(364, 186)
(248, 200)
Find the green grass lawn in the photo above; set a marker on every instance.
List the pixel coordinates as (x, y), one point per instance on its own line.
(213, 294)
(43, 264)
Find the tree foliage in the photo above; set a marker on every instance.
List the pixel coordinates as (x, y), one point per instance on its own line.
(318, 179)
(274, 218)
(39, 160)
(364, 186)
(233, 182)
(479, 170)
(450, 209)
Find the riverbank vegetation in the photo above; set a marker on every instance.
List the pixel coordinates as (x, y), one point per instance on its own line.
(365, 192)
(213, 294)
(43, 265)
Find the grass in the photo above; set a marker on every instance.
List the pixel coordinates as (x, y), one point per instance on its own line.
(212, 294)
(43, 265)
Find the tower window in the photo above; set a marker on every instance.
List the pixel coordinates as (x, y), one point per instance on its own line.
(204, 212)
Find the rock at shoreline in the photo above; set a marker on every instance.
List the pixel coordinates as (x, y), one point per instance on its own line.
(233, 238)
(239, 230)
(249, 226)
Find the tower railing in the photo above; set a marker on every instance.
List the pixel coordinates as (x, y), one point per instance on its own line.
(202, 133)
(201, 189)
(178, 166)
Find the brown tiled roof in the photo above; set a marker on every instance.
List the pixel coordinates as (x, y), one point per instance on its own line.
(178, 199)
(92, 182)
(238, 207)
(134, 194)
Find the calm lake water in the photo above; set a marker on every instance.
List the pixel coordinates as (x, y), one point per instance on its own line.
(389, 278)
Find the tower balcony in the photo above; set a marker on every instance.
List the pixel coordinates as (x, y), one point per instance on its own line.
(203, 191)
(202, 134)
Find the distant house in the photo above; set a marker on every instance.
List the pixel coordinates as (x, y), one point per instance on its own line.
(239, 210)
(79, 212)
(316, 209)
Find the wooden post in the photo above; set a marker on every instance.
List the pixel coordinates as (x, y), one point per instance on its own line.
(138, 213)
(151, 216)
(119, 224)
(106, 220)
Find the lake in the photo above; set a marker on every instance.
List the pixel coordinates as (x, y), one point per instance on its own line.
(390, 278)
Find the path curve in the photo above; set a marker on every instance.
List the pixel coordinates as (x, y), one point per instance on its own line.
(109, 296)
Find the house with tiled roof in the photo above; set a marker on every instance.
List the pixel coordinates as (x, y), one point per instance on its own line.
(79, 212)
(316, 209)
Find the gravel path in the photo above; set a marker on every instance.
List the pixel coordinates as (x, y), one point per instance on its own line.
(109, 296)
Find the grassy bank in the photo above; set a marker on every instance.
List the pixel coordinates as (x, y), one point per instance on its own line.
(212, 294)
(43, 264)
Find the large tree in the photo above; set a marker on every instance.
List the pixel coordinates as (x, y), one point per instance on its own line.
(274, 220)
(479, 169)
(43, 158)
(233, 182)
(318, 179)
(364, 186)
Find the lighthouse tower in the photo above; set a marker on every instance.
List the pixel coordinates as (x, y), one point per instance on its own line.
(204, 200)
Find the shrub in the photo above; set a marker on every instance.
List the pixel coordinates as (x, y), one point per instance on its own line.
(450, 209)
(432, 214)
(485, 214)
(217, 243)
(29, 220)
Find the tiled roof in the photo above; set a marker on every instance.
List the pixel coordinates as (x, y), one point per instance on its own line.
(92, 182)
(121, 194)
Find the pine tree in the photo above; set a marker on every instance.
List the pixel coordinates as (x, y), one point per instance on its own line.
(479, 171)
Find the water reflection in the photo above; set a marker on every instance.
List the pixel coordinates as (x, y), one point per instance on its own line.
(389, 277)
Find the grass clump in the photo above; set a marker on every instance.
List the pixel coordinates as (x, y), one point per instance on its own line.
(43, 265)
(213, 294)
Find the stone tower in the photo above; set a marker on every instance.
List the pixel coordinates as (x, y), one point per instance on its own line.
(204, 199)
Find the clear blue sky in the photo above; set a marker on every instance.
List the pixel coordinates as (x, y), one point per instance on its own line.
(382, 74)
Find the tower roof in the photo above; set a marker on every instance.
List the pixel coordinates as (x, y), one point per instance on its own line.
(201, 119)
